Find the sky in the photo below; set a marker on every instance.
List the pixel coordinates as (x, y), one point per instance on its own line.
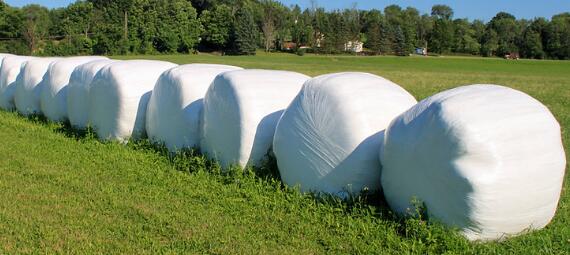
(471, 9)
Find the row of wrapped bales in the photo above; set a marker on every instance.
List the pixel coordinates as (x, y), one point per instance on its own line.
(484, 158)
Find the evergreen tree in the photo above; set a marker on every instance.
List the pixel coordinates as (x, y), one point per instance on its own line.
(385, 37)
(244, 33)
(400, 46)
(373, 41)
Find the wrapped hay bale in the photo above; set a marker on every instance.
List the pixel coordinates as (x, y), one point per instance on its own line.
(328, 138)
(53, 95)
(8, 73)
(175, 106)
(29, 85)
(78, 91)
(241, 109)
(483, 158)
(119, 95)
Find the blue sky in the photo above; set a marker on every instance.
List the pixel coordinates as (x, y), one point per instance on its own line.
(472, 9)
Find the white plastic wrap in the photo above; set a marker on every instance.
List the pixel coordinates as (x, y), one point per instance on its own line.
(3, 55)
(78, 91)
(8, 73)
(328, 138)
(175, 106)
(119, 95)
(484, 158)
(241, 110)
(53, 94)
(29, 84)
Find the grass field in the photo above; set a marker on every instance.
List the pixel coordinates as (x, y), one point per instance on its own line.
(65, 194)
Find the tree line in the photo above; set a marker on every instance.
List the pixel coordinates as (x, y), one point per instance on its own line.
(241, 26)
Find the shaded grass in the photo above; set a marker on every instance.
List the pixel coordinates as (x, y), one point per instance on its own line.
(63, 191)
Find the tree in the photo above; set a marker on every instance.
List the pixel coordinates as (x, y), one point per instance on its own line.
(490, 43)
(373, 39)
(217, 25)
(424, 30)
(465, 38)
(558, 37)
(80, 15)
(385, 37)
(532, 45)
(244, 33)
(441, 39)
(505, 27)
(268, 23)
(298, 27)
(443, 12)
(400, 43)
(411, 18)
(36, 25)
(11, 24)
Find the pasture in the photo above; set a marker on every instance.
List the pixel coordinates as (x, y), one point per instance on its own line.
(66, 192)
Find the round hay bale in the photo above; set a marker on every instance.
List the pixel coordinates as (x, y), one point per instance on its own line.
(241, 110)
(78, 91)
(483, 158)
(53, 95)
(329, 137)
(119, 95)
(175, 106)
(29, 85)
(9, 71)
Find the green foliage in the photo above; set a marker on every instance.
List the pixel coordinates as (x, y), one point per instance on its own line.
(558, 37)
(217, 25)
(442, 36)
(183, 26)
(400, 47)
(373, 38)
(178, 29)
(465, 38)
(35, 27)
(507, 30)
(532, 44)
(245, 33)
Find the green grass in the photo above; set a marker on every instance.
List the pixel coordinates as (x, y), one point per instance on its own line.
(65, 194)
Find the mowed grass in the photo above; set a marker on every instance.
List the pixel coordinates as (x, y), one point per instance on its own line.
(65, 194)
